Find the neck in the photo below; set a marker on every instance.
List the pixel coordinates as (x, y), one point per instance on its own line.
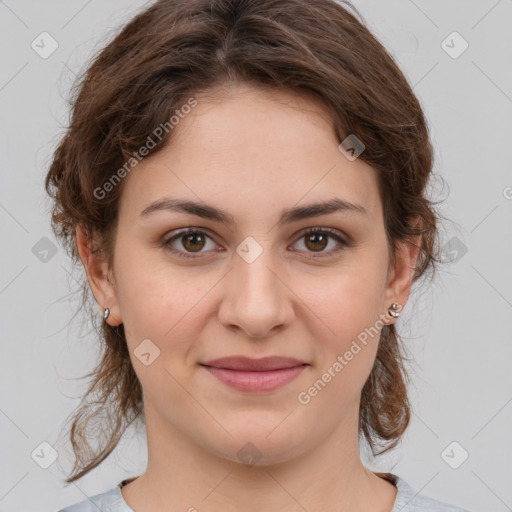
(181, 475)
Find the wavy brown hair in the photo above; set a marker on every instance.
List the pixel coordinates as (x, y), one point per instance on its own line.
(174, 50)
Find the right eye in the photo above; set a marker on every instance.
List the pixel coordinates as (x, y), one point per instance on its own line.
(191, 241)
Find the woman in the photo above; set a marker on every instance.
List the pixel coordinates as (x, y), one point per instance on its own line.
(244, 184)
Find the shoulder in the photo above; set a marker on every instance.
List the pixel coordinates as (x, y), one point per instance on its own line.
(111, 500)
(408, 500)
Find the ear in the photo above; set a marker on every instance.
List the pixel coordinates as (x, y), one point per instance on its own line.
(401, 273)
(100, 277)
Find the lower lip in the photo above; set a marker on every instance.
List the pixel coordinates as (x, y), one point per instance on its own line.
(256, 381)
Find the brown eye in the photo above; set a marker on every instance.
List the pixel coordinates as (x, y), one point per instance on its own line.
(316, 240)
(187, 242)
(193, 242)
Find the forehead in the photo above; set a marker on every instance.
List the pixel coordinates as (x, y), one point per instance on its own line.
(256, 150)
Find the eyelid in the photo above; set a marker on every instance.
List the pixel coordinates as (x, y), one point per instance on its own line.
(319, 229)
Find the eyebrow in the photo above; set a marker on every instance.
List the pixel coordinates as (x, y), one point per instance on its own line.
(288, 215)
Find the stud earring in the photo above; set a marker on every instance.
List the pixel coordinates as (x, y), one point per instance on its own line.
(106, 313)
(393, 310)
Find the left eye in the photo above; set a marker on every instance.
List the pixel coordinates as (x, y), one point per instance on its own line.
(317, 240)
(193, 241)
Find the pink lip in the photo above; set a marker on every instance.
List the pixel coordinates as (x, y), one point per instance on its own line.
(255, 375)
(256, 381)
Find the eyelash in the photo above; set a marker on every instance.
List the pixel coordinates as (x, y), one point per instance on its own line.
(333, 234)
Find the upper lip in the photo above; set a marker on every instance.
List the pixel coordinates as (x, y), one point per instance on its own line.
(248, 364)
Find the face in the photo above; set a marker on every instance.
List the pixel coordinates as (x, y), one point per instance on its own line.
(252, 281)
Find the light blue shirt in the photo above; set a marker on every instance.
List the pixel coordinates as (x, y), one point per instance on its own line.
(407, 500)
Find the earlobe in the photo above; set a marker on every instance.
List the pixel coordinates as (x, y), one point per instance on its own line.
(96, 268)
(402, 272)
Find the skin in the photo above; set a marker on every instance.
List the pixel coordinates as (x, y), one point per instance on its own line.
(252, 152)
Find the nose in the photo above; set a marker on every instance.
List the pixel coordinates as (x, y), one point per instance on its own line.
(257, 299)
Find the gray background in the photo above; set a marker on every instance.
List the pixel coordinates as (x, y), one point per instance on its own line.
(458, 331)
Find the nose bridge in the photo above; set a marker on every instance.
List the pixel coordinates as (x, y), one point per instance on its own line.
(253, 269)
(258, 299)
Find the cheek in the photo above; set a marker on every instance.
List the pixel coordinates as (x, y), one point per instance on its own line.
(347, 311)
(159, 301)
(164, 305)
(349, 299)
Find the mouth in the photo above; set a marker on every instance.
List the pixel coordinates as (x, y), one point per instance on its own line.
(255, 375)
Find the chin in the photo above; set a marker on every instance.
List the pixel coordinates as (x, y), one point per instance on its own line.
(264, 445)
